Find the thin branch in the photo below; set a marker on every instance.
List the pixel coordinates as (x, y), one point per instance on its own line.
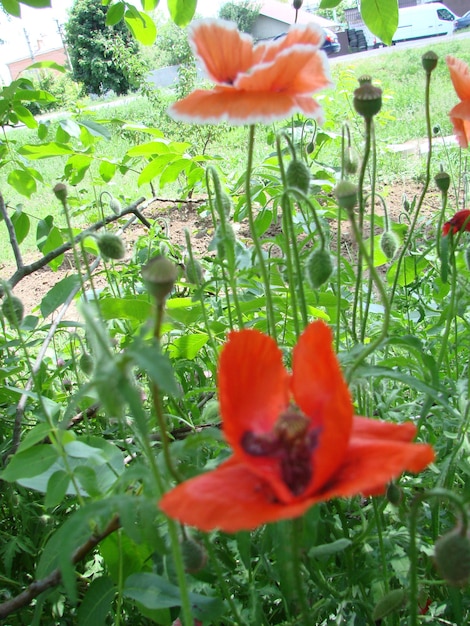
(12, 234)
(55, 577)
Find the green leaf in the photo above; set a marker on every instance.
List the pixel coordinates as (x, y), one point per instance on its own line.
(327, 549)
(141, 26)
(59, 293)
(45, 150)
(410, 269)
(115, 13)
(149, 149)
(23, 182)
(76, 167)
(381, 17)
(138, 308)
(156, 365)
(22, 224)
(155, 168)
(12, 7)
(187, 346)
(97, 602)
(42, 231)
(34, 436)
(25, 115)
(51, 65)
(95, 129)
(56, 488)
(31, 462)
(107, 170)
(37, 4)
(53, 241)
(390, 603)
(329, 4)
(182, 11)
(149, 5)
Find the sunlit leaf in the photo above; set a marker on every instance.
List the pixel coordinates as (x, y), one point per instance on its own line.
(141, 26)
(115, 13)
(381, 17)
(51, 65)
(23, 182)
(182, 11)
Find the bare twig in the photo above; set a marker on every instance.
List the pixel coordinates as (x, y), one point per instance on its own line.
(11, 233)
(55, 577)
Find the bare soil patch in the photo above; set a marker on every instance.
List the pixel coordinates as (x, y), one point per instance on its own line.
(176, 218)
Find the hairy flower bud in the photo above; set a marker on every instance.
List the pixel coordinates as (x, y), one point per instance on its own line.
(346, 194)
(389, 243)
(111, 246)
(12, 309)
(318, 268)
(193, 271)
(86, 363)
(394, 494)
(298, 175)
(452, 556)
(60, 192)
(115, 206)
(194, 555)
(442, 180)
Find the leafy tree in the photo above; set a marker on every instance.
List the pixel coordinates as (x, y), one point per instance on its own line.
(242, 13)
(102, 57)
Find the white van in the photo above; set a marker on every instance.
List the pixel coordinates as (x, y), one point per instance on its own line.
(423, 20)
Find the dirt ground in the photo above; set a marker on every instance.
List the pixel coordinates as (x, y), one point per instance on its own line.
(177, 218)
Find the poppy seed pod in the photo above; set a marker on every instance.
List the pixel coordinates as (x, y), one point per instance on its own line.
(298, 175)
(367, 100)
(159, 275)
(319, 268)
(452, 556)
(442, 180)
(365, 79)
(429, 61)
(346, 194)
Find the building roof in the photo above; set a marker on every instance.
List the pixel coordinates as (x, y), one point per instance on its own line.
(286, 13)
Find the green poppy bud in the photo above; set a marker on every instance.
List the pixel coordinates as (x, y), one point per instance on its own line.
(367, 100)
(298, 175)
(194, 272)
(346, 194)
(394, 494)
(319, 268)
(389, 243)
(60, 192)
(86, 363)
(111, 246)
(12, 309)
(194, 555)
(310, 147)
(115, 206)
(159, 275)
(452, 556)
(429, 61)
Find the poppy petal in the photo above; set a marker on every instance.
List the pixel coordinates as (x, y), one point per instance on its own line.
(460, 76)
(224, 51)
(230, 498)
(304, 34)
(241, 107)
(253, 385)
(460, 118)
(364, 427)
(370, 465)
(298, 70)
(322, 394)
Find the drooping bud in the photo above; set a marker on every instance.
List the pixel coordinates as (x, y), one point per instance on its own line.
(194, 555)
(13, 309)
(194, 271)
(346, 194)
(389, 243)
(318, 268)
(394, 494)
(351, 161)
(442, 180)
(367, 100)
(298, 175)
(111, 246)
(159, 275)
(429, 61)
(115, 206)
(452, 556)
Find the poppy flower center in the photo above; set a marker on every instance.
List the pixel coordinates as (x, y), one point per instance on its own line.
(291, 442)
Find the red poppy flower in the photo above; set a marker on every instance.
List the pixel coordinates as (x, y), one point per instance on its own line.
(459, 221)
(260, 82)
(460, 114)
(294, 437)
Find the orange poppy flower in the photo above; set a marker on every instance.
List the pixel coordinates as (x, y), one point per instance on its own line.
(459, 221)
(294, 437)
(460, 114)
(260, 82)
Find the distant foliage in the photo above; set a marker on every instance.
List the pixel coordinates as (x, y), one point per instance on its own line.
(244, 14)
(103, 58)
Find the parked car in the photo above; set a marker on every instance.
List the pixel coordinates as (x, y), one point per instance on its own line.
(462, 22)
(330, 45)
